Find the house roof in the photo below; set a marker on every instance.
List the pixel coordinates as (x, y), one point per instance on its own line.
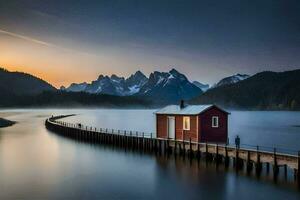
(187, 110)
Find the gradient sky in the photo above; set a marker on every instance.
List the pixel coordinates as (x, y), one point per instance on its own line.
(73, 41)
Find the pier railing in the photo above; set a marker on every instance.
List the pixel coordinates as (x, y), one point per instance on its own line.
(106, 130)
(252, 156)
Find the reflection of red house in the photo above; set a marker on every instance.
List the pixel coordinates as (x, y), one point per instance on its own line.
(201, 123)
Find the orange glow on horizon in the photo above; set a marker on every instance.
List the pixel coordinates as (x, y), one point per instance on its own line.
(56, 65)
(49, 76)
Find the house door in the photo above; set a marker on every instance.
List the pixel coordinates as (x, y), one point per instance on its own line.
(171, 127)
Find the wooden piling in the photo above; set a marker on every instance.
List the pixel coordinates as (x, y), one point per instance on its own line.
(268, 167)
(285, 171)
(275, 165)
(175, 147)
(160, 148)
(151, 144)
(190, 148)
(198, 151)
(236, 158)
(183, 147)
(217, 153)
(180, 149)
(206, 151)
(249, 163)
(168, 147)
(226, 157)
(297, 172)
(258, 163)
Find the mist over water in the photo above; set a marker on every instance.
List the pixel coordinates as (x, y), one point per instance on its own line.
(36, 163)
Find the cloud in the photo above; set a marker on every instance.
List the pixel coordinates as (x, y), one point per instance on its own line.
(27, 38)
(43, 43)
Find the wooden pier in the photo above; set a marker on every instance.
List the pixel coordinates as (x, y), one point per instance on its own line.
(251, 159)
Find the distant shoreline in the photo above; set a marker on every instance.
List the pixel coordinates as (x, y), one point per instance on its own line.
(6, 123)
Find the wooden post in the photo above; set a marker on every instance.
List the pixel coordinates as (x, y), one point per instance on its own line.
(175, 148)
(143, 142)
(217, 153)
(249, 164)
(275, 166)
(136, 140)
(226, 157)
(130, 139)
(180, 149)
(190, 147)
(151, 143)
(155, 145)
(285, 171)
(117, 139)
(268, 167)
(125, 141)
(298, 171)
(183, 147)
(159, 146)
(198, 151)
(236, 158)
(206, 151)
(258, 164)
(168, 146)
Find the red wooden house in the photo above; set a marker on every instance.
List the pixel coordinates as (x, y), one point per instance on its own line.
(201, 123)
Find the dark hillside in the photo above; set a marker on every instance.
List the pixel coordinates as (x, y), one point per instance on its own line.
(265, 90)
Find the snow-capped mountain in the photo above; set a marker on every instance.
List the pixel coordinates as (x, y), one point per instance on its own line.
(112, 85)
(231, 80)
(203, 87)
(76, 87)
(169, 87)
(135, 82)
(107, 85)
(162, 86)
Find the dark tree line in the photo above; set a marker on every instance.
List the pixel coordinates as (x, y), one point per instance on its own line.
(71, 99)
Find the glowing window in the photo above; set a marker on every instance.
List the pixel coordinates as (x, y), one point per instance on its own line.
(186, 123)
(215, 122)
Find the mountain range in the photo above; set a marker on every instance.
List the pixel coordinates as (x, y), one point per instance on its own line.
(139, 84)
(264, 90)
(113, 85)
(164, 87)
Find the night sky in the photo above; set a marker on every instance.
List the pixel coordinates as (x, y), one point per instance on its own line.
(74, 41)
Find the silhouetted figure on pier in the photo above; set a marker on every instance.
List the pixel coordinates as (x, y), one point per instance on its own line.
(237, 142)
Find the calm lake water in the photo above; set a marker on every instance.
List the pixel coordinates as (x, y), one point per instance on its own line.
(37, 164)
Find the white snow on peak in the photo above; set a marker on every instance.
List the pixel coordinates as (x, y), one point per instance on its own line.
(134, 89)
(116, 81)
(241, 77)
(171, 76)
(99, 89)
(159, 80)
